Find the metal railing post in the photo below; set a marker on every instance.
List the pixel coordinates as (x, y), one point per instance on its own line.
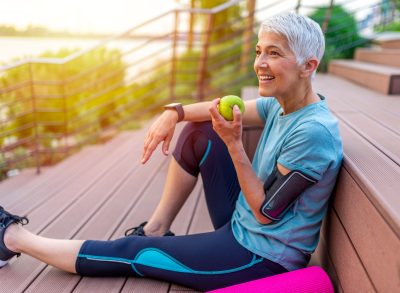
(204, 59)
(35, 119)
(247, 36)
(174, 54)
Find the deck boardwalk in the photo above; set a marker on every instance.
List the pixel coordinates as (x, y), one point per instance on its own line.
(103, 190)
(95, 194)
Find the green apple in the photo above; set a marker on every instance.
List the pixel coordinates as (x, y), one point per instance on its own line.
(226, 104)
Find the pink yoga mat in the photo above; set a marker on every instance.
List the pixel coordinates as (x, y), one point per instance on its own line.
(311, 279)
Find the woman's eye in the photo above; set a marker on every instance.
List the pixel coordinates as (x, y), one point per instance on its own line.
(258, 52)
(274, 53)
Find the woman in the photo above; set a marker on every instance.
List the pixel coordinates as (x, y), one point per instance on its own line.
(267, 215)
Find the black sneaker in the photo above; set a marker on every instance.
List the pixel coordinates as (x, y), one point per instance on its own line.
(139, 231)
(6, 219)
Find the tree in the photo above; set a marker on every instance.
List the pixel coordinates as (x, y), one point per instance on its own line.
(341, 36)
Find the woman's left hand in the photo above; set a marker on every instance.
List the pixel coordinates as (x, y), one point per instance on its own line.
(229, 131)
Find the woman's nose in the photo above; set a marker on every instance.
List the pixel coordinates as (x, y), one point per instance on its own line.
(262, 63)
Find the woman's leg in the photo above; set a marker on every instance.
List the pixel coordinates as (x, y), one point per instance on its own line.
(219, 177)
(178, 185)
(202, 261)
(199, 150)
(58, 253)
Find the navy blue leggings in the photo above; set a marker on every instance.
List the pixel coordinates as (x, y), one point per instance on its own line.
(203, 261)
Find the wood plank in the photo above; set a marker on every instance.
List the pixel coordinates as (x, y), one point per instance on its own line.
(373, 112)
(348, 266)
(58, 178)
(384, 140)
(63, 221)
(201, 222)
(375, 242)
(343, 95)
(139, 285)
(377, 175)
(53, 171)
(322, 258)
(374, 76)
(390, 57)
(18, 181)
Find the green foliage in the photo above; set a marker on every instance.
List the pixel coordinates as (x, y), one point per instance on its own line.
(224, 73)
(68, 107)
(391, 27)
(341, 37)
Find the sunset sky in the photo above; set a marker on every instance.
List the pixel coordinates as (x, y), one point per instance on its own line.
(103, 16)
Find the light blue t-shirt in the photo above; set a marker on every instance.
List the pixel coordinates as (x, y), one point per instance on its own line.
(307, 140)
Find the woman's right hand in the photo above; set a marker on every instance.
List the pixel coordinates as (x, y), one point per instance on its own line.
(161, 130)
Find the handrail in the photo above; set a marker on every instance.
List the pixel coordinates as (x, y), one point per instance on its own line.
(74, 105)
(73, 56)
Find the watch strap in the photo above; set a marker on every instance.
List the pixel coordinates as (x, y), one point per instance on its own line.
(178, 108)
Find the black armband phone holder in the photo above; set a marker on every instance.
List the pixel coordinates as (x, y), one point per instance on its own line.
(281, 191)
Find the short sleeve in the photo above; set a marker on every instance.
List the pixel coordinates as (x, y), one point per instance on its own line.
(263, 107)
(309, 149)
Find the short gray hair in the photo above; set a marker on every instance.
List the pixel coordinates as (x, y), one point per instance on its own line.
(304, 35)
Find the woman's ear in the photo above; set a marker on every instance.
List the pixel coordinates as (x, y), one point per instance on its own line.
(309, 67)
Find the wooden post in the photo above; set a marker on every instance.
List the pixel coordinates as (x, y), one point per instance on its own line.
(327, 17)
(173, 60)
(204, 58)
(65, 109)
(35, 118)
(247, 36)
(298, 6)
(191, 24)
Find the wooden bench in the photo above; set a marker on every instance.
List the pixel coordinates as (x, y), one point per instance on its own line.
(359, 245)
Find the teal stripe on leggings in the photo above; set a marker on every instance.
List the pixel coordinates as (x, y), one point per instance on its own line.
(155, 258)
(206, 153)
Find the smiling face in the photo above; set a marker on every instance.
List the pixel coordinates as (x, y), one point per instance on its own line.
(278, 73)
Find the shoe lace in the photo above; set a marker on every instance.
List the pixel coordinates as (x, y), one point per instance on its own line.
(6, 216)
(139, 231)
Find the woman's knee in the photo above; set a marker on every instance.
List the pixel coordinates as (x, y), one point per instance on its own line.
(192, 145)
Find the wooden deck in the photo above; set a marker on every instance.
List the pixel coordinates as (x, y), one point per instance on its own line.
(103, 190)
(95, 194)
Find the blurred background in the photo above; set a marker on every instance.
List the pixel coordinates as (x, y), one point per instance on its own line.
(74, 73)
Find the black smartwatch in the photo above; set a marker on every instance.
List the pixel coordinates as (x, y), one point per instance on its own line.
(178, 108)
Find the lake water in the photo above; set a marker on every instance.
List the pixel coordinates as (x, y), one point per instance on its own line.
(12, 49)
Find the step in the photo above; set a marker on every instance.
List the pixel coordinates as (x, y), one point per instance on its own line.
(389, 57)
(344, 95)
(381, 78)
(388, 40)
